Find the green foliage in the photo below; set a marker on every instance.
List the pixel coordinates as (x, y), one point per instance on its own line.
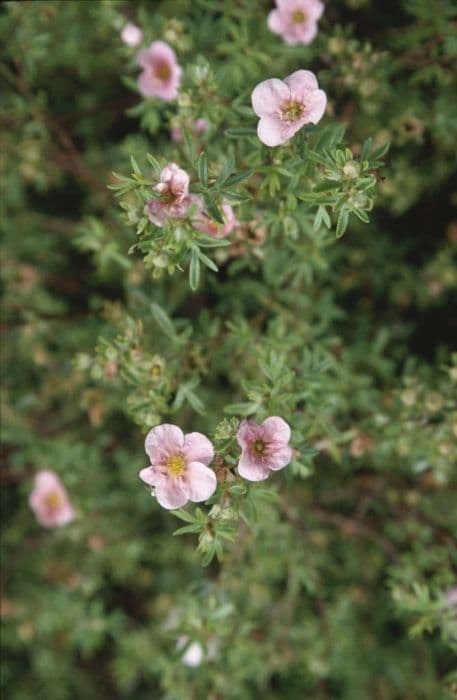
(336, 578)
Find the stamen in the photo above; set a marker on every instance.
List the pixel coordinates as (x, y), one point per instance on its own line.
(53, 500)
(258, 447)
(163, 71)
(298, 16)
(176, 465)
(292, 110)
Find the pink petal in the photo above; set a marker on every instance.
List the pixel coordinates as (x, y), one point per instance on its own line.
(280, 458)
(65, 515)
(162, 52)
(144, 58)
(272, 132)
(287, 6)
(170, 493)
(146, 84)
(316, 106)
(250, 469)
(314, 9)
(268, 96)
(248, 432)
(308, 33)
(300, 83)
(277, 429)
(200, 482)
(162, 441)
(276, 22)
(150, 476)
(46, 481)
(156, 212)
(197, 448)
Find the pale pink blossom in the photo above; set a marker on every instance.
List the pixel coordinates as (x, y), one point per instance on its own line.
(199, 127)
(131, 34)
(285, 106)
(179, 466)
(174, 199)
(161, 75)
(265, 447)
(213, 228)
(296, 20)
(49, 500)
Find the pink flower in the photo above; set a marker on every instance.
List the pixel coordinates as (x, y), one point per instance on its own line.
(296, 20)
(215, 230)
(284, 106)
(264, 447)
(174, 199)
(49, 500)
(178, 470)
(161, 76)
(131, 35)
(199, 127)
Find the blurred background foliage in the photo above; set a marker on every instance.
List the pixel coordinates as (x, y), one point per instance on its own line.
(344, 584)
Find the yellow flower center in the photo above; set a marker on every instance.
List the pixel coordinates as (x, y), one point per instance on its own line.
(176, 465)
(156, 370)
(258, 446)
(292, 111)
(298, 16)
(53, 500)
(163, 71)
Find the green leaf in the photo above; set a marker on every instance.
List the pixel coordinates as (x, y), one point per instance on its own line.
(184, 515)
(362, 215)
(342, 222)
(190, 145)
(212, 209)
(135, 165)
(203, 169)
(366, 149)
(163, 320)
(225, 172)
(194, 270)
(239, 177)
(318, 218)
(186, 529)
(155, 164)
(244, 408)
(240, 133)
(207, 261)
(236, 196)
(327, 186)
(208, 242)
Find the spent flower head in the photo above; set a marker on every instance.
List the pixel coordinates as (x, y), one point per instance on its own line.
(174, 198)
(214, 229)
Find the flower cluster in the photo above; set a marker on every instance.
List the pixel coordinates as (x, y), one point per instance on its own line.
(179, 469)
(284, 106)
(174, 202)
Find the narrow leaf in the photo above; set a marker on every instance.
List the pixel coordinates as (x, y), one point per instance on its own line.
(212, 209)
(203, 169)
(194, 270)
